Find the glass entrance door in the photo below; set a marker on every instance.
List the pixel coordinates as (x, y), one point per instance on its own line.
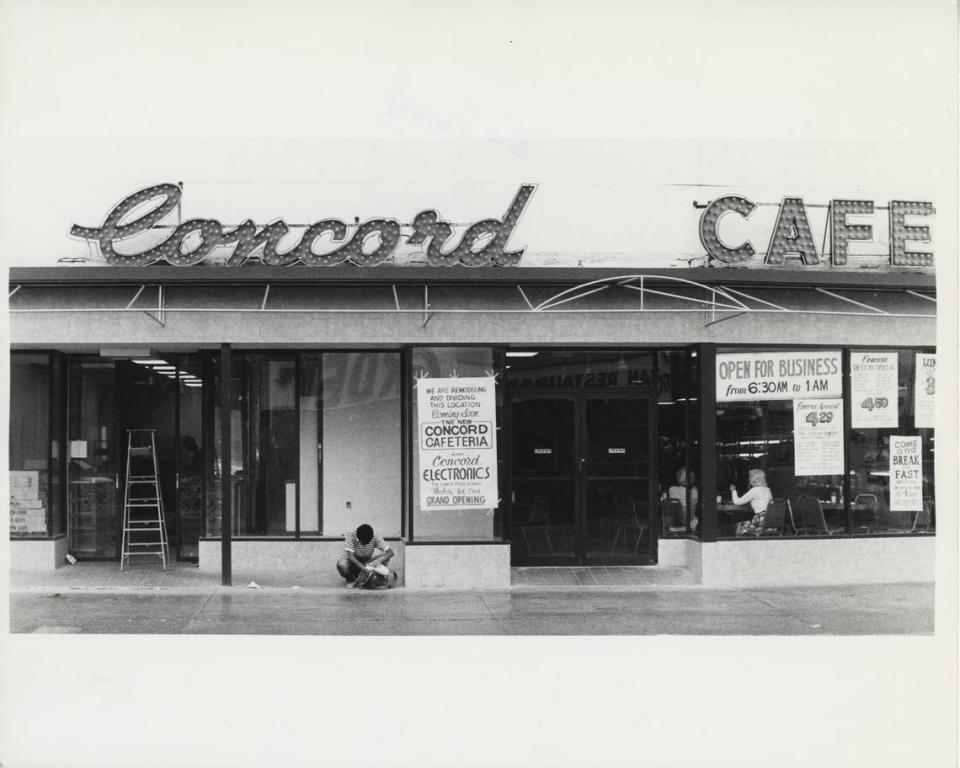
(616, 458)
(581, 480)
(93, 475)
(544, 494)
(164, 393)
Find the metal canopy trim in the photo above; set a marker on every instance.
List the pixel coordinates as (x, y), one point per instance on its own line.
(609, 294)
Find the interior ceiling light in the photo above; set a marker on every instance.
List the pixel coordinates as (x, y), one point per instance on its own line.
(150, 362)
(522, 354)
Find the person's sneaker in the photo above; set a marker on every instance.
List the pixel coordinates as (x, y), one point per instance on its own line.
(351, 585)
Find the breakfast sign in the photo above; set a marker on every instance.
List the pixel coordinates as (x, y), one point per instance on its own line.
(331, 241)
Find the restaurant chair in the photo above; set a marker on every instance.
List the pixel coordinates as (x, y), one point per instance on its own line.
(625, 511)
(889, 521)
(774, 520)
(793, 513)
(672, 516)
(538, 521)
(923, 519)
(869, 516)
(812, 521)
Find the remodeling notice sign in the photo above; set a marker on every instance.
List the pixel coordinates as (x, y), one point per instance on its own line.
(818, 437)
(778, 375)
(873, 389)
(924, 391)
(457, 433)
(906, 476)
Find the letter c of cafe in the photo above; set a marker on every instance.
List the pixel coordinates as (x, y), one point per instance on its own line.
(482, 244)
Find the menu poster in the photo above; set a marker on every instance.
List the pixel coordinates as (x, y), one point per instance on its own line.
(818, 437)
(873, 389)
(906, 474)
(778, 375)
(457, 433)
(924, 391)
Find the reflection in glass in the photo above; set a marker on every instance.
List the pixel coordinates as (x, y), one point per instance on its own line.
(543, 479)
(93, 469)
(30, 444)
(870, 466)
(617, 469)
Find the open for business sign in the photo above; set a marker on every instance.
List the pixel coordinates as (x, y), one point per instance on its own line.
(779, 375)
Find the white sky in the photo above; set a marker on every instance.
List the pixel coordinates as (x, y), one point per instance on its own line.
(618, 110)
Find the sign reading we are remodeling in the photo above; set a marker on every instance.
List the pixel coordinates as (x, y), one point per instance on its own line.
(457, 432)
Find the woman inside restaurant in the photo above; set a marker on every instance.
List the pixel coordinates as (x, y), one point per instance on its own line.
(758, 497)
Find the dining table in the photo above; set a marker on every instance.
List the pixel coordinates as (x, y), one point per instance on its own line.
(729, 514)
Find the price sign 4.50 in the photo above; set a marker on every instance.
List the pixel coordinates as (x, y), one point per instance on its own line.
(868, 404)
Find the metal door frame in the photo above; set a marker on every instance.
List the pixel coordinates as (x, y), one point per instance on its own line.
(579, 399)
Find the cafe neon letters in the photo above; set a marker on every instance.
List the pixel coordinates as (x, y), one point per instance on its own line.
(483, 243)
(793, 237)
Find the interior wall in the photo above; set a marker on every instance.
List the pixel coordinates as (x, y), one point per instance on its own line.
(360, 450)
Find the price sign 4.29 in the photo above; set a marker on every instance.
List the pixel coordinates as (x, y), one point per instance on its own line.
(819, 417)
(818, 437)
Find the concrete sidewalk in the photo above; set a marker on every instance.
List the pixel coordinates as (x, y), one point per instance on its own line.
(187, 576)
(99, 599)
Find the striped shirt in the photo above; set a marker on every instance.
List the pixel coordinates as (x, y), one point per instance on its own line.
(363, 552)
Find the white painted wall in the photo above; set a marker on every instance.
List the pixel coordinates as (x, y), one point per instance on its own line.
(285, 563)
(37, 554)
(361, 464)
(796, 562)
(457, 566)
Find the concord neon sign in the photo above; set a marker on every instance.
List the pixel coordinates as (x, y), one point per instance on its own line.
(371, 243)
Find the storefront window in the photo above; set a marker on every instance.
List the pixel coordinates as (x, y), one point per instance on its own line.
(315, 444)
(784, 429)
(58, 446)
(30, 445)
(448, 523)
(677, 462)
(359, 453)
(95, 464)
(870, 459)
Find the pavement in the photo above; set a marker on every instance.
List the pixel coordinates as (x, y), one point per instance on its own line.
(96, 598)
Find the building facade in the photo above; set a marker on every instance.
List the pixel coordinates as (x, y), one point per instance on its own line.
(482, 414)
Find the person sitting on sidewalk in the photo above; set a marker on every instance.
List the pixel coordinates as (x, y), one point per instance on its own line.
(359, 553)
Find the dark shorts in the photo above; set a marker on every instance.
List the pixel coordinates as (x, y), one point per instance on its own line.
(347, 569)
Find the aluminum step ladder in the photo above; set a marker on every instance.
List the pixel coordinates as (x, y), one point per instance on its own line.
(144, 526)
